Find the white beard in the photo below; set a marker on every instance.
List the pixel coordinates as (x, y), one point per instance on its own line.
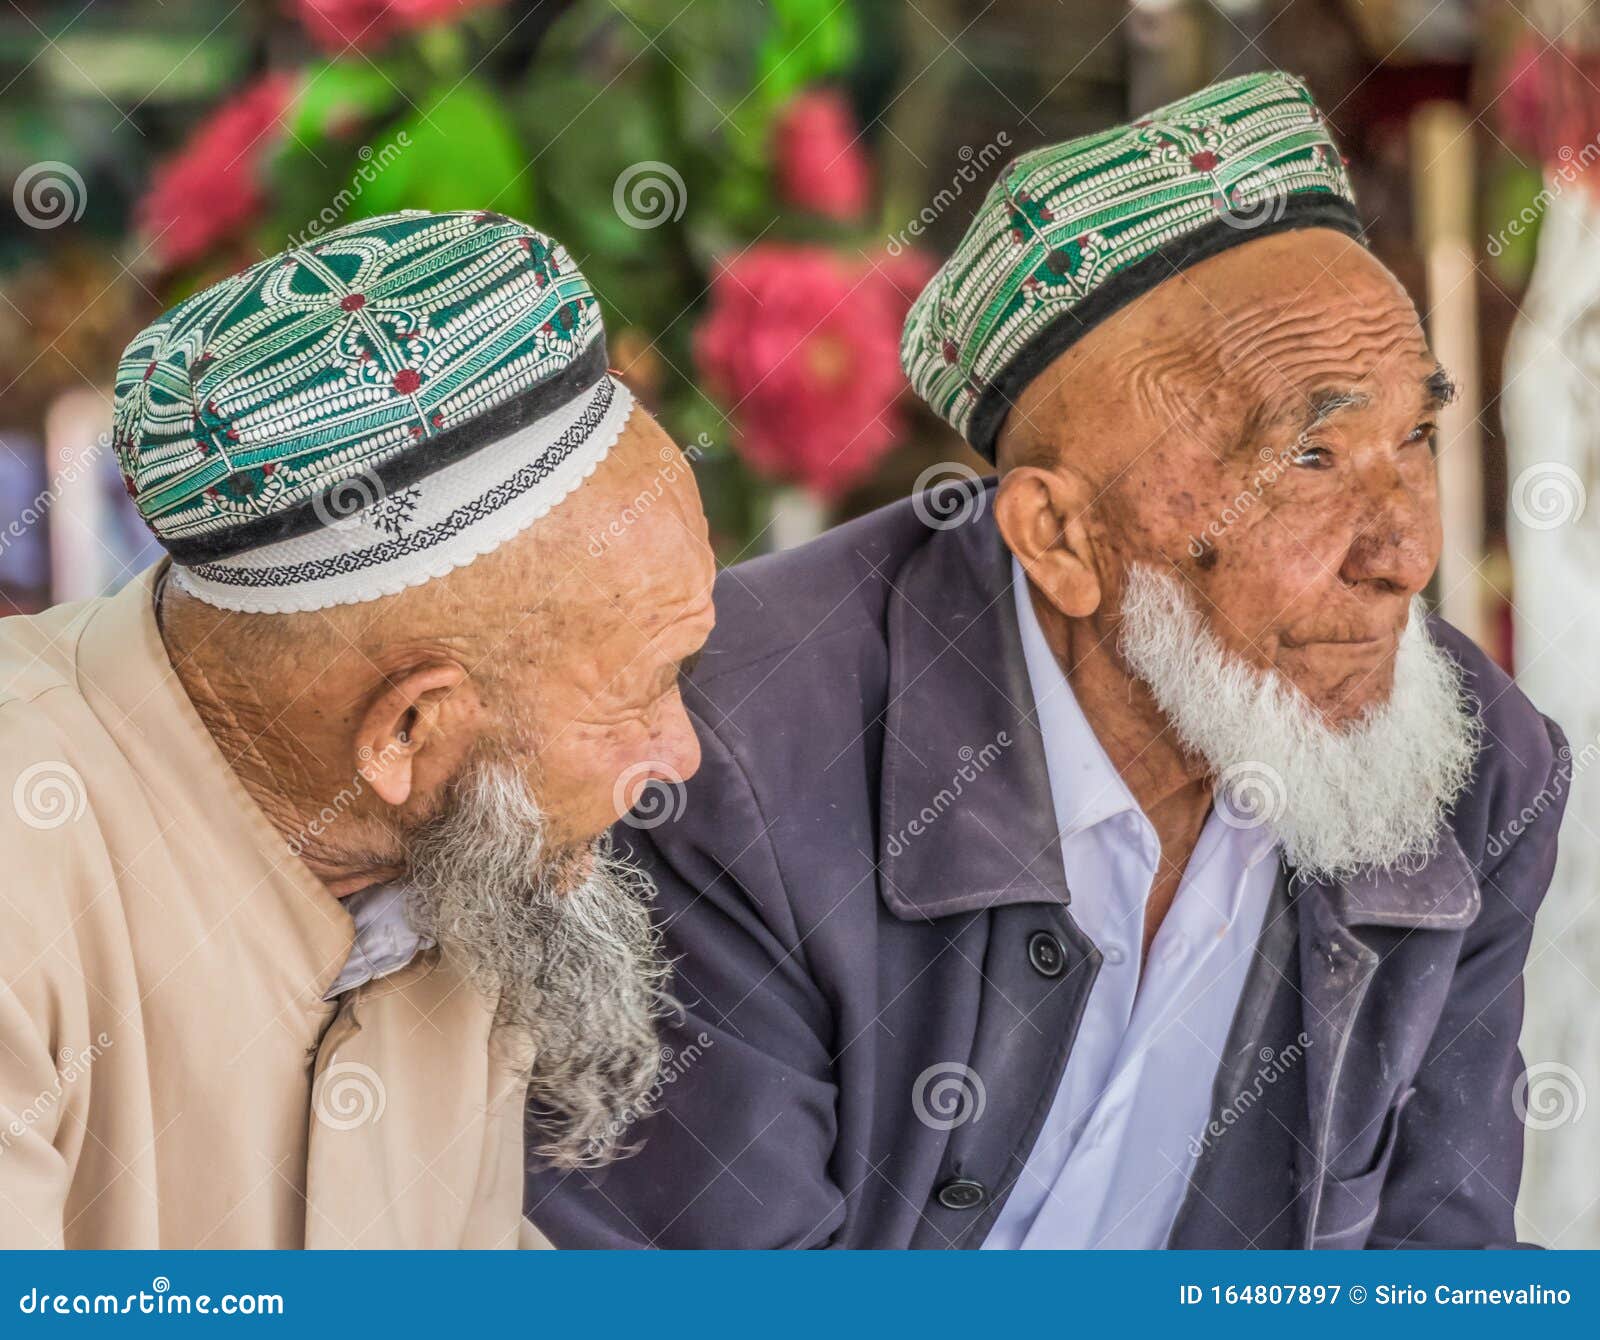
(1371, 795)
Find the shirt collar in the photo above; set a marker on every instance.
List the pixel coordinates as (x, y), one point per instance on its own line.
(1088, 788)
(1085, 784)
(385, 942)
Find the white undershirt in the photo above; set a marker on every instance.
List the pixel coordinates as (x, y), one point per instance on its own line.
(1112, 1161)
(384, 941)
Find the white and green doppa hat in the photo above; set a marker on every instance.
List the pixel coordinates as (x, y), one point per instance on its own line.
(1073, 232)
(366, 412)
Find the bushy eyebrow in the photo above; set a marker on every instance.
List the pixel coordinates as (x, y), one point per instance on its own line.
(1438, 389)
(1323, 405)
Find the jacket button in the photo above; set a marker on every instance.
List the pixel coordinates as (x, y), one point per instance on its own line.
(1046, 954)
(961, 1193)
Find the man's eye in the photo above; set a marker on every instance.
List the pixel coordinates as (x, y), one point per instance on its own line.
(1423, 432)
(1312, 458)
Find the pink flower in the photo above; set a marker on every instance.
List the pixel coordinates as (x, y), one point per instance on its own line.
(1547, 102)
(822, 167)
(339, 25)
(906, 273)
(211, 187)
(803, 350)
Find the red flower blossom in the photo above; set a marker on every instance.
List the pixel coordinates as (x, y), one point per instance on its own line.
(1204, 161)
(1547, 104)
(822, 167)
(339, 25)
(803, 349)
(210, 188)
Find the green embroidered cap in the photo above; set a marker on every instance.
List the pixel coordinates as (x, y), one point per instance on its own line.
(367, 411)
(1072, 232)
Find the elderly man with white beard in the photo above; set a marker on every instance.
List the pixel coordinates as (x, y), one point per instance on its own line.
(1116, 855)
(307, 884)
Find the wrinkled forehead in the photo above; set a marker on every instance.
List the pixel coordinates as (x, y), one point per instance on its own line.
(1281, 344)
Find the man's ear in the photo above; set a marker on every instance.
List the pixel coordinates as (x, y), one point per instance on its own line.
(1041, 514)
(416, 731)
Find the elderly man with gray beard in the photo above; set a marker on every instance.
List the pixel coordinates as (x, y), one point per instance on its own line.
(1118, 855)
(306, 882)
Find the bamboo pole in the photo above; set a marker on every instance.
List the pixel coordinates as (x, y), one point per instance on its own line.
(1442, 174)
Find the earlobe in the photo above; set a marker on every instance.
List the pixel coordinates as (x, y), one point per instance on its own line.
(1041, 518)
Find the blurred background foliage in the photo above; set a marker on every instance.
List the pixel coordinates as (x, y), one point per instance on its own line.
(735, 178)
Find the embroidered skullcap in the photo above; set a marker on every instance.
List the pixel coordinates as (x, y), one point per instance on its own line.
(1072, 232)
(366, 412)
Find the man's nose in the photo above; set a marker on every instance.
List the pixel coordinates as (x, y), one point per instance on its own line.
(675, 747)
(1396, 547)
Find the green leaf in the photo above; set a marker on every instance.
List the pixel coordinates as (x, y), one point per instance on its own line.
(458, 152)
(339, 94)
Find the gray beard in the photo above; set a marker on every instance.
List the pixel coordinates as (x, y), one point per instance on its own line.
(563, 941)
(1371, 795)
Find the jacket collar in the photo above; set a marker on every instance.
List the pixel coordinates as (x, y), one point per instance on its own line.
(965, 817)
(966, 820)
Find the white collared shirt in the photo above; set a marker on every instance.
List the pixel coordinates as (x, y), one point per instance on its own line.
(1112, 1161)
(384, 941)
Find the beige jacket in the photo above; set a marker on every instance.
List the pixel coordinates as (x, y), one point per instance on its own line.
(170, 1075)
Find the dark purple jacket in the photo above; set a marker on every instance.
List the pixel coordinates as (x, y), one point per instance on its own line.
(865, 896)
